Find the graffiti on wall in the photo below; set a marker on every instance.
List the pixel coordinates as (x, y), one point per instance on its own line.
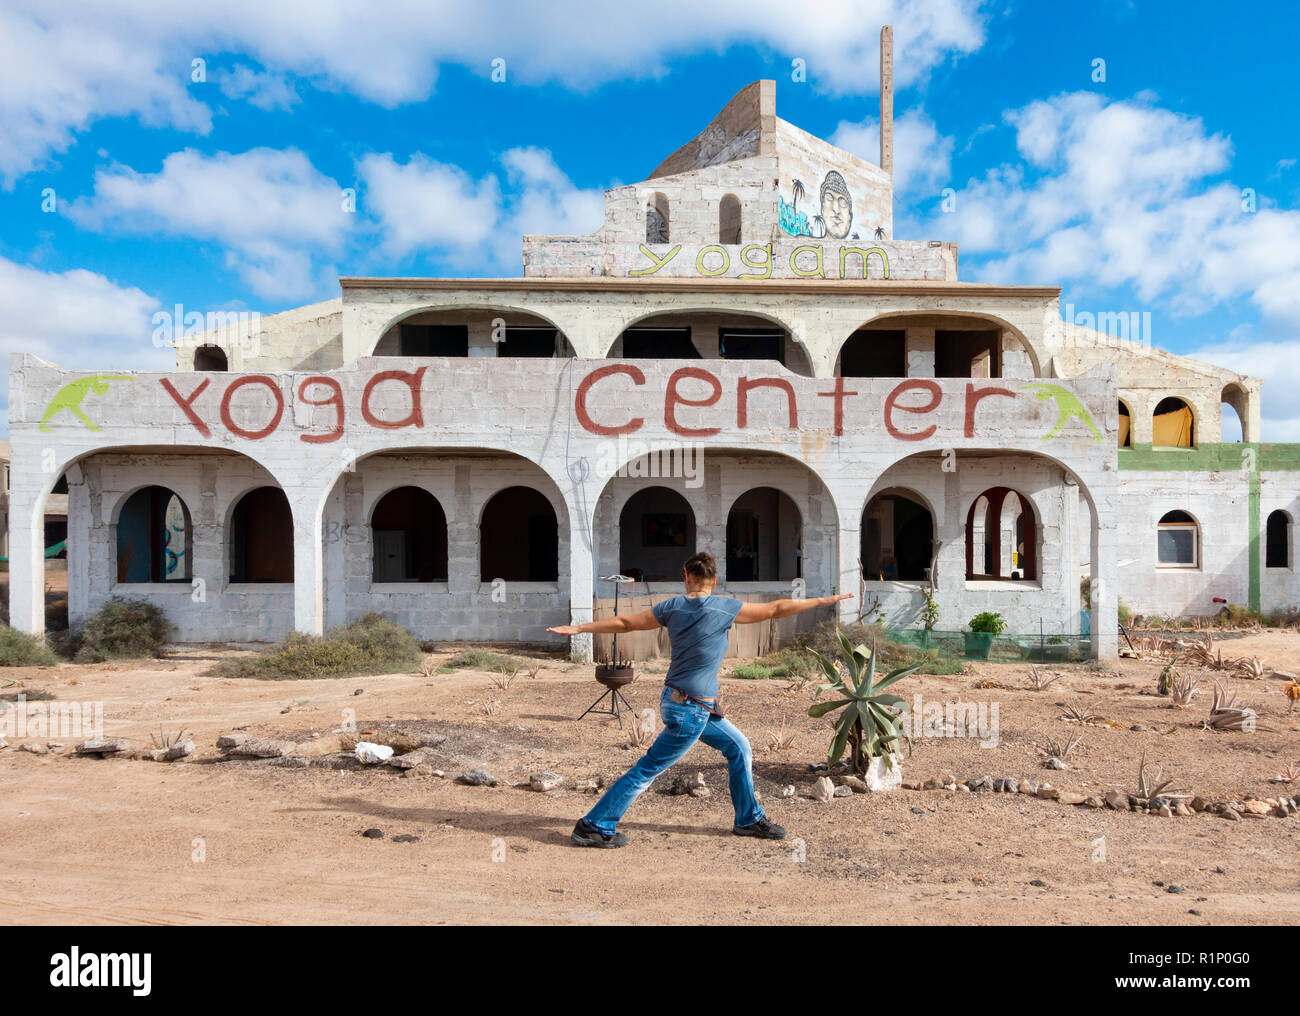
(832, 215)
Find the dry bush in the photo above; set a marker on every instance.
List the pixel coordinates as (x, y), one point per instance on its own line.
(1041, 679)
(1059, 749)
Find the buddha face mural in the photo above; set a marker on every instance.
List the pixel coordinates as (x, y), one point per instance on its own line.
(834, 218)
(837, 206)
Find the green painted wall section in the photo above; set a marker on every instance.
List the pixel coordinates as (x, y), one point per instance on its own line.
(1248, 459)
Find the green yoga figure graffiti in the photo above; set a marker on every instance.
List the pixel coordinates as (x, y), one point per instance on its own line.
(70, 397)
(1068, 407)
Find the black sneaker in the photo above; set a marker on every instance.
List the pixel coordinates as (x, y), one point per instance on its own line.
(763, 829)
(589, 836)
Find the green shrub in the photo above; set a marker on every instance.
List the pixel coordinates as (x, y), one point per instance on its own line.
(18, 649)
(481, 659)
(754, 672)
(989, 622)
(372, 645)
(122, 629)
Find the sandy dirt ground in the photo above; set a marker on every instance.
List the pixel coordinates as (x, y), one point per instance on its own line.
(91, 841)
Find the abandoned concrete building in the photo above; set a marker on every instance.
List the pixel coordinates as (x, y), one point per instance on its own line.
(742, 359)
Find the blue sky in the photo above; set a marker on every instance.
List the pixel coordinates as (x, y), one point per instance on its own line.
(226, 192)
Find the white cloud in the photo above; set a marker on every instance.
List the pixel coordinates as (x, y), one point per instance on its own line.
(428, 206)
(271, 210)
(1126, 194)
(922, 156)
(69, 64)
(77, 319)
(1278, 364)
(259, 88)
(424, 204)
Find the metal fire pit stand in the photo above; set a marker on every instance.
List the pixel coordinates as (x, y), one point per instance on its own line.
(613, 675)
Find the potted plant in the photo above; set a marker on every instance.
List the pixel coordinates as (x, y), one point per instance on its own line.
(929, 617)
(984, 628)
(867, 727)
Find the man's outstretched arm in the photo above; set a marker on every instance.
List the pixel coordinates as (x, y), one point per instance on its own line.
(776, 609)
(644, 621)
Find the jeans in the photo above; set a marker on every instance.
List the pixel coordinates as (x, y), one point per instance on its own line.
(684, 724)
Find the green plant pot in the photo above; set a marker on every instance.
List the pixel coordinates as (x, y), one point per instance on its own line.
(978, 644)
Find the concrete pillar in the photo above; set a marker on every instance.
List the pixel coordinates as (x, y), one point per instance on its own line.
(307, 506)
(480, 337)
(582, 576)
(1141, 424)
(847, 578)
(1105, 590)
(1015, 360)
(920, 352)
(26, 559)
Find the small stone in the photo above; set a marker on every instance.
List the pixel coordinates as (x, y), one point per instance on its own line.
(102, 746)
(823, 789)
(961, 787)
(417, 771)
(983, 783)
(370, 754)
(918, 811)
(1010, 785)
(910, 785)
(949, 779)
(34, 748)
(373, 834)
(1114, 799)
(359, 691)
(1028, 787)
(54, 745)
(1256, 809)
(1038, 882)
(1230, 815)
(1199, 804)
(818, 767)
(788, 791)
(1165, 811)
(478, 778)
(1071, 797)
(1175, 889)
(255, 747)
(544, 782)
(1093, 801)
(933, 783)
(1055, 763)
(180, 750)
(406, 838)
(1181, 809)
(842, 791)
(855, 784)
(1048, 792)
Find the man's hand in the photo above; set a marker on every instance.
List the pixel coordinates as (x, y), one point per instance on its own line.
(565, 629)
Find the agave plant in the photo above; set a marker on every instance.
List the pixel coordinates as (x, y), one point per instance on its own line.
(1150, 786)
(866, 726)
(1165, 682)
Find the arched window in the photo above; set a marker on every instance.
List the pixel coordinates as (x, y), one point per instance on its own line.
(1232, 426)
(409, 537)
(154, 538)
(519, 537)
(871, 352)
(656, 534)
(897, 539)
(1178, 541)
(729, 220)
(1277, 540)
(764, 538)
(656, 220)
(1125, 430)
(1173, 426)
(210, 358)
(261, 537)
(1001, 536)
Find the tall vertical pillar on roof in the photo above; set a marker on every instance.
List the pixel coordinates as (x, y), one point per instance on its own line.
(887, 100)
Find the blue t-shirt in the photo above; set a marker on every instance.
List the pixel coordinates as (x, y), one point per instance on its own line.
(697, 629)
